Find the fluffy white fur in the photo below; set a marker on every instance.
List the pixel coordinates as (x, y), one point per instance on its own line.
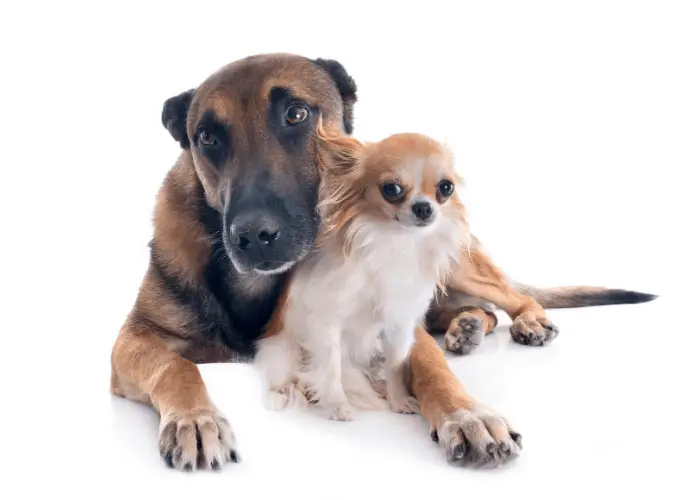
(344, 310)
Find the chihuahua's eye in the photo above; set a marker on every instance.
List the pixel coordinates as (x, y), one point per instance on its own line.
(206, 138)
(391, 190)
(296, 114)
(446, 188)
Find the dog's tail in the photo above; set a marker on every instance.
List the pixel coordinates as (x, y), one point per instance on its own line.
(581, 296)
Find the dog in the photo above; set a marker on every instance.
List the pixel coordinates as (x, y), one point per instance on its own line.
(392, 228)
(233, 215)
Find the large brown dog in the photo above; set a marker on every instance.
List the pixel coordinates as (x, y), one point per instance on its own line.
(238, 210)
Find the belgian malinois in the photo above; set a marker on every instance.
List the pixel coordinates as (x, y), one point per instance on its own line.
(237, 211)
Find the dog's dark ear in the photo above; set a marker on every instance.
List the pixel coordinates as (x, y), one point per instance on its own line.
(174, 117)
(346, 86)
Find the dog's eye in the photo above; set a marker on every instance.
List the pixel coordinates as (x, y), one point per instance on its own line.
(391, 190)
(206, 138)
(296, 114)
(446, 188)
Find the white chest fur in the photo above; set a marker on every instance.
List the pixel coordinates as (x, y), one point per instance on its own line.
(385, 284)
(341, 310)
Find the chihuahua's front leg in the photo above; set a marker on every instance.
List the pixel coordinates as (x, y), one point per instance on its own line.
(322, 375)
(397, 342)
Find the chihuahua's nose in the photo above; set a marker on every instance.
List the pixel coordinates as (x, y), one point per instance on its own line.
(423, 210)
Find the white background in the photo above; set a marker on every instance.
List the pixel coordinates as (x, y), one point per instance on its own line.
(577, 127)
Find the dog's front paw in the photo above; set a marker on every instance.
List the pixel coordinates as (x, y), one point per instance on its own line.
(479, 438)
(403, 403)
(464, 334)
(529, 329)
(197, 439)
(289, 396)
(341, 413)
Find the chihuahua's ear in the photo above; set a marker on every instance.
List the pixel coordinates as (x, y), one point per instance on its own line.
(174, 117)
(338, 154)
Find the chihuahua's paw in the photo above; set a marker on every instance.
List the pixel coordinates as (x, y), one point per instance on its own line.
(403, 404)
(289, 396)
(341, 413)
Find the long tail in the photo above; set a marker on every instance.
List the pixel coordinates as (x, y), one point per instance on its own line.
(581, 296)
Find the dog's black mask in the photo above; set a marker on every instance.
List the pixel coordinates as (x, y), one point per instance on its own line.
(251, 132)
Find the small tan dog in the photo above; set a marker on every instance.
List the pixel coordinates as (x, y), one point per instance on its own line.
(392, 228)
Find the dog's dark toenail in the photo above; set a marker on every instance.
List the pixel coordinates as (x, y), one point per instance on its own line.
(523, 339)
(504, 448)
(187, 467)
(215, 465)
(517, 438)
(458, 452)
(491, 448)
(169, 460)
(533, 336)
(233, 456)
(434, 436)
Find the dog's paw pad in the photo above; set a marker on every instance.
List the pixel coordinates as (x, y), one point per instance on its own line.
(198, 439)
(532, 331)
(464, 334)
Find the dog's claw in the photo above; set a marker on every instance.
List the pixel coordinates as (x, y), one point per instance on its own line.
(505, 449)
(529, 329)
(458, 452)
(517, 438)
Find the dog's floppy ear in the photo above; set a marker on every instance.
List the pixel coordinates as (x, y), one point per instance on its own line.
(346, 86)
(174, 117)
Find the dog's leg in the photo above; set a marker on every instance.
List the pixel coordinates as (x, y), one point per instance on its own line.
(279, 359)
(323, 371)
(477, 276)
(397, 342)
(192, 431)
(464, 327)
(468, 431)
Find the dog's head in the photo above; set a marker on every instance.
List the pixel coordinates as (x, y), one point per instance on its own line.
(251, 131)
(405, 182)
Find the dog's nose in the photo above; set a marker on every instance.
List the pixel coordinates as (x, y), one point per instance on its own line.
(256, 234)
(267, 236)
(423, 210)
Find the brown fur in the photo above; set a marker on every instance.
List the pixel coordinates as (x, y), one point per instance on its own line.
(153, 359)
(352, 173)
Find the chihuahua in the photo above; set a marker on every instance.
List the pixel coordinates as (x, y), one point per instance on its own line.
(392, 228)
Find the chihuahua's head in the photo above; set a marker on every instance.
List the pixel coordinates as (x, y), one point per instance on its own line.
(405, 183)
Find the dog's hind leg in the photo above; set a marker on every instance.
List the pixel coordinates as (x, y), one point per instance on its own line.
(478, 277)
(464, 327)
